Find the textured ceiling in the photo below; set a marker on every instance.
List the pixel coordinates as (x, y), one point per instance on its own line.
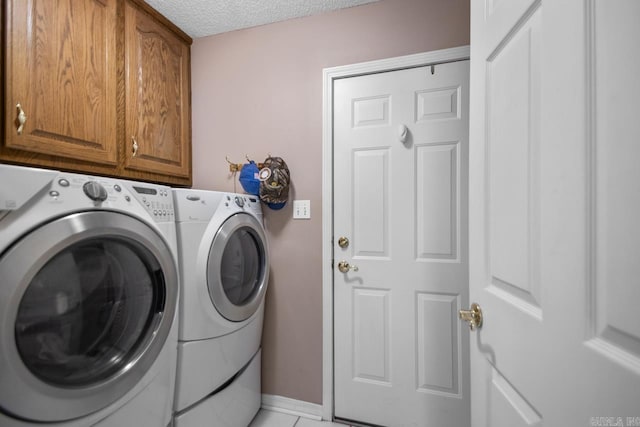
(200, 18)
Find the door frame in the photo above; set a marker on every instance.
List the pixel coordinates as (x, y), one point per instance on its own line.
(328, 76)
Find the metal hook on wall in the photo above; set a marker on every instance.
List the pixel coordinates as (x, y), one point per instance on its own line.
(233, 167)
(237, 167)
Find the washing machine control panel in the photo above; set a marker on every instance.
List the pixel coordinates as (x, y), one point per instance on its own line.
(157, 199)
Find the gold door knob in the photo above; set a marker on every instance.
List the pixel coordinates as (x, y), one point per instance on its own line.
(344, 267)
(473, 316)
(343, 242)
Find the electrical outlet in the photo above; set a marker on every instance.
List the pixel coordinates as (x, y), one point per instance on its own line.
(301, 209)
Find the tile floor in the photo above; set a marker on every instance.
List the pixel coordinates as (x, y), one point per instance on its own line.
(266, 418)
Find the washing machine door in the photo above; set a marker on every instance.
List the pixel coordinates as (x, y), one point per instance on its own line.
(238, 267)
(86, 305)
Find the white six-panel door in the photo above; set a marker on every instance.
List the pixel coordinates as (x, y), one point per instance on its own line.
(554, 208)
(400, 197)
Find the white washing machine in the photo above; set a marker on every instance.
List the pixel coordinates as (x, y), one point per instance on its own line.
(224, 270)
(88, 300)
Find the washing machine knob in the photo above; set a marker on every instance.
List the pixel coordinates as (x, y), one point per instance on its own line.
(95, 191)
(239, 201)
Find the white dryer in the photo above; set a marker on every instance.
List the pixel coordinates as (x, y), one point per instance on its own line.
(88, 302)
(224, 270)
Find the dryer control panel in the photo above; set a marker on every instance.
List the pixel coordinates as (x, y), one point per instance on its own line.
(245, 202)
(203, 205)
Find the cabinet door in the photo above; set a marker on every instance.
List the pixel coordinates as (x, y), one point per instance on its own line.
(158, 134)
(61, 75)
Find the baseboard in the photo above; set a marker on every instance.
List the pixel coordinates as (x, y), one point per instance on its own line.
(292, 406)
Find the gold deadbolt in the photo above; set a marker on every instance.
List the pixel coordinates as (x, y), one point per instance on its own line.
(344, 267)
(343, 242)
(473, 316)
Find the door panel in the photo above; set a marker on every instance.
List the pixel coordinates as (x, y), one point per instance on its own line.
(438, 104)
(437, 215)
(507, 407)
(438, 345)
(371, 208)
(615, 204)
(61, 69)
(158, 97)
(400, 160)
(512, 144)
(371, 335)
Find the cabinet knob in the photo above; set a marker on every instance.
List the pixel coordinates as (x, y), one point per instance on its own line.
(21, 120)
(134, 146)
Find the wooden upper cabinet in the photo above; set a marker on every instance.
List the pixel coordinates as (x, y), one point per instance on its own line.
(158, 116)
(61, 74)
(93, 79)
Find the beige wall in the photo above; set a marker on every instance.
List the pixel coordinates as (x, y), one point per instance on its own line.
(259, 91)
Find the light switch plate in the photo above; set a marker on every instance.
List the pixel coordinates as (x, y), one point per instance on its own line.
(302, 209)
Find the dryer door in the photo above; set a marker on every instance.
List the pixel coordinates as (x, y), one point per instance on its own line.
(238, 267)
(86, 305)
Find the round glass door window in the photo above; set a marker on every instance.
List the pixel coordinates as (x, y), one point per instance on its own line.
(89, 311)
(238, 267)
(241, 267)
